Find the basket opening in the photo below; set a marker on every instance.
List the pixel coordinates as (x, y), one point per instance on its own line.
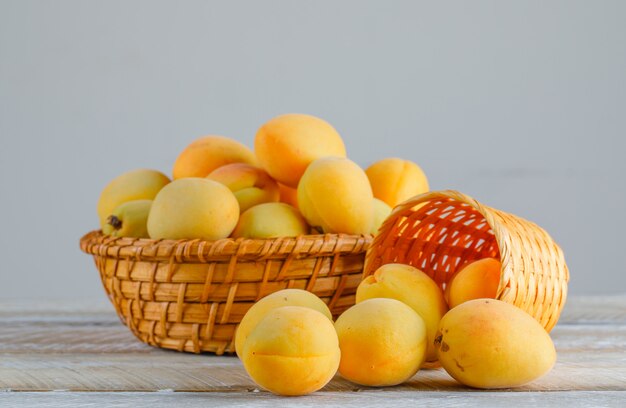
(440, 237)
(442, 231)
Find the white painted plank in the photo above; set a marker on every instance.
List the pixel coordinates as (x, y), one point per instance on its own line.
(591, 357)
(363, 399)
(45, 347)
(602, 309)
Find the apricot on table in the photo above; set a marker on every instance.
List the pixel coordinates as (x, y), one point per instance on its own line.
(287, 144)
(478, 279)
(487, 343)
(382, 342)
(395, 180)
(271, 220)
(208, 153)
(293, 350)
(412, 287)
(250, 184)
(191, 208)
(141, 184)
(284, 297)
(335, 196)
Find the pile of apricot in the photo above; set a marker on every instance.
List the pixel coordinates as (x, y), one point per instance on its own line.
(401, 321)
(297, 181)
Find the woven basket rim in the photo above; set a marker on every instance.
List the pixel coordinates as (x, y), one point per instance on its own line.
(534, 274)
(198, 250)
(487, 212)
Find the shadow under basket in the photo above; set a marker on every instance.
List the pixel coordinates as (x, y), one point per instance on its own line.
(440, 232)
(190, 295)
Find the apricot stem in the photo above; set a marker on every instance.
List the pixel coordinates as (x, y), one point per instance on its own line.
(115, 222)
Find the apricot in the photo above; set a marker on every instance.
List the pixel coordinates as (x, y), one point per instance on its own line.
(129, 219)
(487, 343)
(412, 287)
(285, 297)
(293, 350)
(287, 144)
(381, 212)
(382, 342)
(193, 208)
(251, 185)
(478, 279)
(271, 220)
(141, 184)
(395, 180)
(208, 153)
(335, 196)
(288, 195)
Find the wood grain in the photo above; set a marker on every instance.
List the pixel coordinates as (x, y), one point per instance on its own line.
(587, 361)
(73, 348)
(363, 399)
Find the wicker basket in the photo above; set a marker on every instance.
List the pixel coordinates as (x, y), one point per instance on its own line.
(440, 232)
(189, 295)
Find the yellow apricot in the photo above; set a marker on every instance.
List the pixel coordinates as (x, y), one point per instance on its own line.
(334, 195)
(395, 180)
(129, 219)
(193, 208)
(251, 185)
(141, 184)
(381, 212)
(293, 350)
(208, 153)
(271, 220)
(287, 144)
(478, 279)
(382, 342)
(412, 287)
(285, 297)
(487, 343)
(288, 195)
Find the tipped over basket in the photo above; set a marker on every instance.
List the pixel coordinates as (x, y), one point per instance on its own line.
(190, 295)
(440, 232)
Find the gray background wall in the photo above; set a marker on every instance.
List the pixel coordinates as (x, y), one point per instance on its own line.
(520, 104)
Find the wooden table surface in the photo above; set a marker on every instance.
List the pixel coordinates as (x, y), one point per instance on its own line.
(79, 354)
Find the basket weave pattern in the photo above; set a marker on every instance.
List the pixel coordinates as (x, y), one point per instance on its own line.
(190, 295)
(440, 232)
